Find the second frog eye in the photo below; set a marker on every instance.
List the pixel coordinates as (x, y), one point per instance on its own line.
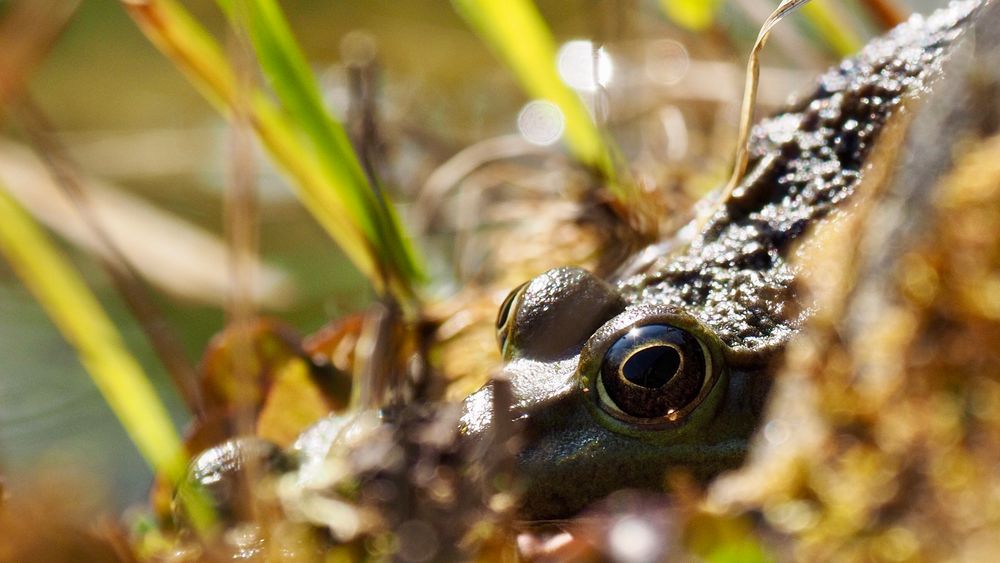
(505, 321)
(553, 315)
(655, 371)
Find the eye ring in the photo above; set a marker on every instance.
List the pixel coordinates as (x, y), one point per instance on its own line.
(652, 368)
(654, 371)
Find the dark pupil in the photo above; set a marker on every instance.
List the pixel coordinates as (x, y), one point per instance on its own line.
(652, 367)
(654, 370)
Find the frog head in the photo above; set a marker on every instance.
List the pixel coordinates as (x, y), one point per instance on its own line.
(668, 366)
(611, 394)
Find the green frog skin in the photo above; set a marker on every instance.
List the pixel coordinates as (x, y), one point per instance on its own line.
(667, 366)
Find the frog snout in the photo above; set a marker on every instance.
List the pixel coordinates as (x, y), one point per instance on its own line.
(528, 392)
(540, 404)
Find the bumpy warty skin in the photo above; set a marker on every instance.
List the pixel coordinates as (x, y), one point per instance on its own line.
(736, 276)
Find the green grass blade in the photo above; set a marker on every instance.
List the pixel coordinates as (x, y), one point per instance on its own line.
(519, 36)
(695, 15)
(698, 15)
(836, 33)
(303, 140)
(293, 82)
(82, 321)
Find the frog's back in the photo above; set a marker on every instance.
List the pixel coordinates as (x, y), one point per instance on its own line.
(736, 275)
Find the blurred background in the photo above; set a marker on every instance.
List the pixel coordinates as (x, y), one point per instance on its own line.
(669, 96)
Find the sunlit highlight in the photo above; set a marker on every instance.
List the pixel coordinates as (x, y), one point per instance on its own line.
(583, 68)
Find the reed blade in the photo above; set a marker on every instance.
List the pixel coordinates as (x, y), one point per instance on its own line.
(517, 34)
(78, 315)
(298, 133)
(832, 29)
(294, 84)
(694, 15)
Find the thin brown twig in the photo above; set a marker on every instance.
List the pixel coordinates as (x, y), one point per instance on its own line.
(362, 69)
(20, 54)
(240, 217)
(240, 214)
(387, 378)
(123, 277)
(361, 57)
(27, 34)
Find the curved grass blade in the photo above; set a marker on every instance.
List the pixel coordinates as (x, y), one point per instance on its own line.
(323, 165)
(747, 108)
(82, 321)
(748, 105)
(518, 35)
(698, 15)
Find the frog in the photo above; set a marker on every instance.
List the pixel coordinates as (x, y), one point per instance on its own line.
(665, 366)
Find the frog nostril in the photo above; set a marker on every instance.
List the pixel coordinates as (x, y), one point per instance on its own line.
(652, 367)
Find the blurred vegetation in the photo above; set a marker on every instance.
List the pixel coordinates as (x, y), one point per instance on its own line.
(662, 136)
(84, 324)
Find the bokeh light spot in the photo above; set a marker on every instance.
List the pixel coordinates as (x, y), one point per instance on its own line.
(541, 122)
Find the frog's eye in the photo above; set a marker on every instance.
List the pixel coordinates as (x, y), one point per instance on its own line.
(505, 319)
(221, 473)
(655, 371)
